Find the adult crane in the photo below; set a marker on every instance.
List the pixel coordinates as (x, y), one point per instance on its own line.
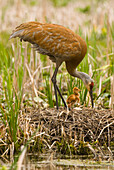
(60, 44)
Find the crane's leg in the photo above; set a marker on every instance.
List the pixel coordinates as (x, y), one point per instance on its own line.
(53, 79)
(57, 89)
(61, 96)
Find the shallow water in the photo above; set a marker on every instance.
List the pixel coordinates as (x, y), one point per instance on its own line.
(49, 162)
(69, 164)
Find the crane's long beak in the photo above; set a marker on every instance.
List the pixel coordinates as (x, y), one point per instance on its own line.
(91, 95)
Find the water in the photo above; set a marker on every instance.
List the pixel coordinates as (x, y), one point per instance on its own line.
(50, 162)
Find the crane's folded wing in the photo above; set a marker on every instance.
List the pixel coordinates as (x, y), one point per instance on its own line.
(49, 39)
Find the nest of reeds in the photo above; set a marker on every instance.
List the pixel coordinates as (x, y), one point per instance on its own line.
(79, 131)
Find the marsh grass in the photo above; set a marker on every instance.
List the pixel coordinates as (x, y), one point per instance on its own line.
(11, 95)
(49, 91)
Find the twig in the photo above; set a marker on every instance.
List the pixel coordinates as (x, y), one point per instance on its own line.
(32, 81)
(21, 158)
(108, 135)
(39, 134)
(5, 152)
(111, 155)
(104, 129)
(93, 151)
(112, 92)
(49, 146)
(12, 151)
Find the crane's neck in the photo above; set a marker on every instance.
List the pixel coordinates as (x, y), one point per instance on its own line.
(71, 68)
(73, 63)
(80, 75)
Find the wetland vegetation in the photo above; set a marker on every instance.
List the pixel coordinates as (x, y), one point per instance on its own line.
(28, 116)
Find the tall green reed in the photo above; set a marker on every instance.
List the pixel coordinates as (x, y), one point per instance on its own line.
(49, 91)
(11, 96)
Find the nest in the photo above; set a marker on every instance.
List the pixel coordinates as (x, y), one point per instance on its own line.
(70, 130)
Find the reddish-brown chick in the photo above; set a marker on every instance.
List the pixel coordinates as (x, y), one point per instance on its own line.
(73, 97)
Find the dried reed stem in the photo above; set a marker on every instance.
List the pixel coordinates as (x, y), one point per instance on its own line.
(21, 158)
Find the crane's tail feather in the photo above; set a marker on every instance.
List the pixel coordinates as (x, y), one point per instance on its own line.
(26, 31)
(31, 32)
(23, 34)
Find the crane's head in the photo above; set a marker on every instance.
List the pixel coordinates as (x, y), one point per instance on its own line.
(76, 90)
(89, 85)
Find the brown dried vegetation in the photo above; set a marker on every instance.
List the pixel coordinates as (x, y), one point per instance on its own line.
(85, 131)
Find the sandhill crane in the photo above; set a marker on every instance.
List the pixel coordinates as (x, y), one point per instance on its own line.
(73, 97)
(60, 44)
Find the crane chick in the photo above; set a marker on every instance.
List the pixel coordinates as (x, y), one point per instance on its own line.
(73, 97)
